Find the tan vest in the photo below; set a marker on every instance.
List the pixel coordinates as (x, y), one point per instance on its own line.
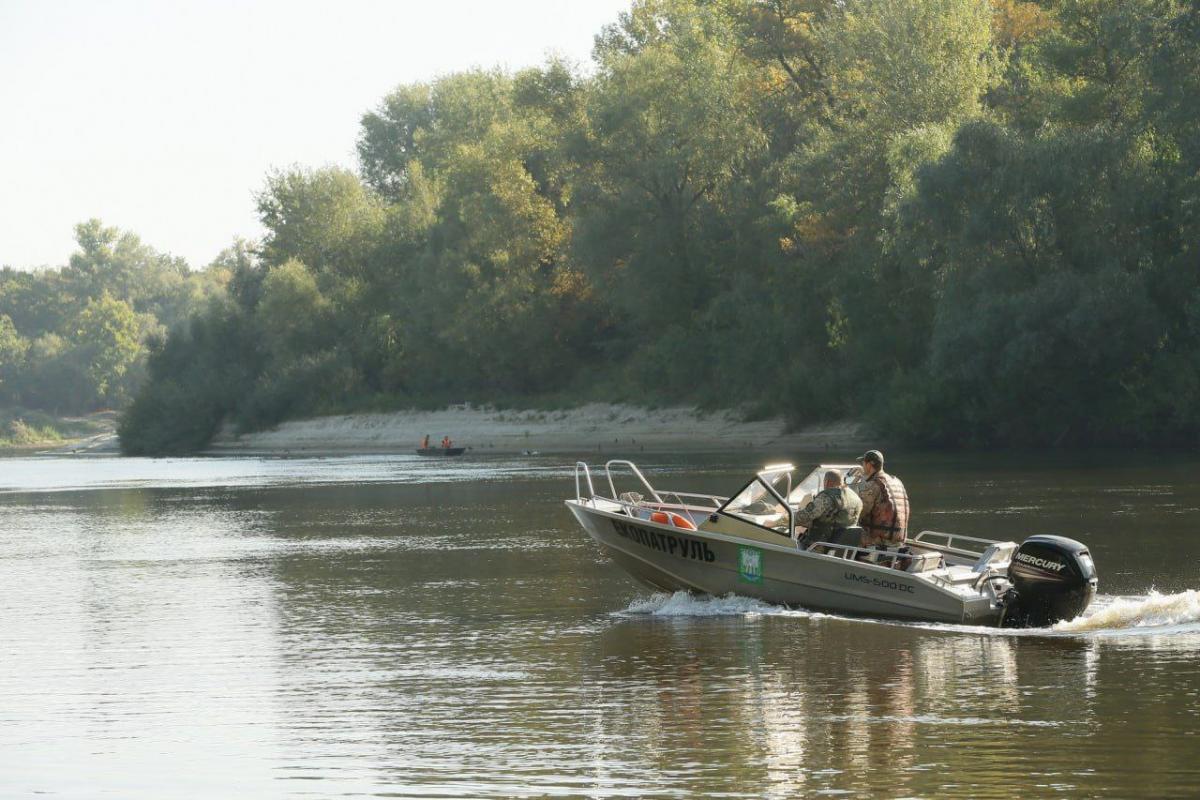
(889, 518)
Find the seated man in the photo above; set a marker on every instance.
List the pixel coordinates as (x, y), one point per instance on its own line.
(834, 509)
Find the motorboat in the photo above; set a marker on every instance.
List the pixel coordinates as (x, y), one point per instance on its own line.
(748, 544)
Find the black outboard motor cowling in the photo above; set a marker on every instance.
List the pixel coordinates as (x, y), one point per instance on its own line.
(1053, 578)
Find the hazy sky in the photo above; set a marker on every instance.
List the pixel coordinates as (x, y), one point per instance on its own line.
(163, 117)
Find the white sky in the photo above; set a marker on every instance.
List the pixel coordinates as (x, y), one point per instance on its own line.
(164, 117)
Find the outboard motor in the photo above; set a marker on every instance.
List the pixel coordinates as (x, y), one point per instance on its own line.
(1053, 578)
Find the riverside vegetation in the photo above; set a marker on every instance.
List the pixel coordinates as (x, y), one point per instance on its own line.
(963, 222)
(75, 339)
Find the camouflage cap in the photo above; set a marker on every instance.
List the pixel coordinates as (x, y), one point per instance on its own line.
(874, 456)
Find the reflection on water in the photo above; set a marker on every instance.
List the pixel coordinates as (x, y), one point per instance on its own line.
(384, 626)
(50, 475)
(914, 710)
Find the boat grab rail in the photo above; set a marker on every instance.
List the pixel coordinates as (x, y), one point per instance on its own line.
(583, 474)
(949, 543)
(849, 552)
(711, 499)
(587, 474)
(632, 468)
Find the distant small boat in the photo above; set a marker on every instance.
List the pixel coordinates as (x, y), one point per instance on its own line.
(441, 451)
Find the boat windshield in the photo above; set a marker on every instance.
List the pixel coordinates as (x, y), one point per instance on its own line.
(814, 481)
(756, 504)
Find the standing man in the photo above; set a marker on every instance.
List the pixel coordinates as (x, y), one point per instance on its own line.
(834, 509)
(884, 503)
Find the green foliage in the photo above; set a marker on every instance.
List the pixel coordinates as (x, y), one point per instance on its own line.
(73, 339)
(309, 384)
(109, 337)
(967, 222)
(117, 262)
(13, 348)
(168, 418)
(197, 378)
(19, 433)
(324, 217)
(26, 428)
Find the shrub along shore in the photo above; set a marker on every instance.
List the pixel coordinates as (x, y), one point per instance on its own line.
(24, 431)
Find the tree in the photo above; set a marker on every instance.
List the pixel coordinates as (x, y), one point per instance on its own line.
(326, 218)
(671, 138)
(424, 123)
(108, 338)
(117, 262)
(784, 35)
(13, 349)
(292, 313)
(898, 69)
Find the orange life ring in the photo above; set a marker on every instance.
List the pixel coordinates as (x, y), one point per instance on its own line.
(671, 518)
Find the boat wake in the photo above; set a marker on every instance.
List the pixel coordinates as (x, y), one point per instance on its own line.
(1153, 613)
(682, 604)
(1150, 613)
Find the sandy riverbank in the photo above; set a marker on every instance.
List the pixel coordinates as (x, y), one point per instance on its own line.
(589, 429)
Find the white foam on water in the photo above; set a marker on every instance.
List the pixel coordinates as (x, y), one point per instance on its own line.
(1154, 613)
(1180, 611)
(682, 604)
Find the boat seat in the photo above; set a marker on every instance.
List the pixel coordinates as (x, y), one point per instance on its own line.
(850, 535)
(905, 562)
(891, 557)
(995, 554)
(925, 562)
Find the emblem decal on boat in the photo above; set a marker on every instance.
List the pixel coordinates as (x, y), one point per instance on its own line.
(676, 545)
(750, 564)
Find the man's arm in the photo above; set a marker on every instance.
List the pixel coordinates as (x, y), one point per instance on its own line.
(869, 494)
(819, 507)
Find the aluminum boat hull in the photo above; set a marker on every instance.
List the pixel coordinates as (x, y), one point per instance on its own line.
(668, 558)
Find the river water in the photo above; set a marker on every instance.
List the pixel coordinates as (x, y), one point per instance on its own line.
(404, 627)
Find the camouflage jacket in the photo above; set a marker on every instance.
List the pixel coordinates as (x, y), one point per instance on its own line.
(826, 507)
